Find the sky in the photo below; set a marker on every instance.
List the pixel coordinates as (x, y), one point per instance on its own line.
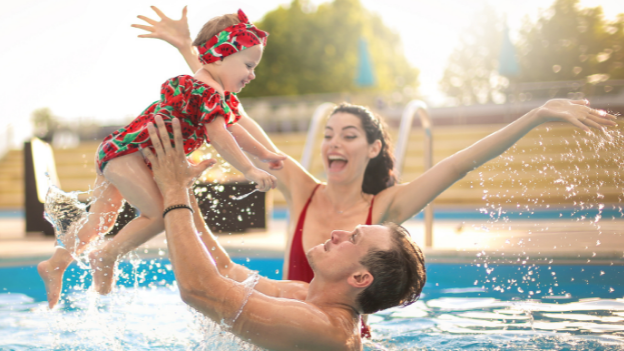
(82, 59)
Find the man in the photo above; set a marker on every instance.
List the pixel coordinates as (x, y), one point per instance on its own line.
(363, 271)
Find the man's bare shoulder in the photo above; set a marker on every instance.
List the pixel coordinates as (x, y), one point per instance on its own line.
(281, 323)
(293, 289)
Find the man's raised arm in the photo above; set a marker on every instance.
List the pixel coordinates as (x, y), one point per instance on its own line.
(274, 323)
(276, 288)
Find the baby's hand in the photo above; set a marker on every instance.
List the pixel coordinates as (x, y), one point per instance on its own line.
(263, 180)
(275, 161)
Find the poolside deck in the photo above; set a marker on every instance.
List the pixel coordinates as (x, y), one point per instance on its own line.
(544, 241)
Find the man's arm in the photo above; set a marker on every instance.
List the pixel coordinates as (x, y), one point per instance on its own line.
(274, 323)
(227, 268)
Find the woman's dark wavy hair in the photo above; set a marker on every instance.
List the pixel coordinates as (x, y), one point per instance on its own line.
(379, 173)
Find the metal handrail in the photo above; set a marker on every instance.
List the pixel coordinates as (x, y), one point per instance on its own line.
(320, 113)
(416, 107)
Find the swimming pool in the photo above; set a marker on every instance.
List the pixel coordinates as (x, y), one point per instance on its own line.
(464, 306)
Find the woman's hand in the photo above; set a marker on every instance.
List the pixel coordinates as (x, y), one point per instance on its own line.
(576, 112)
(174, 32)
(275, 160)
(172, 171)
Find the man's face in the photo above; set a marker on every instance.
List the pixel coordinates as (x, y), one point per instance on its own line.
(340, 256)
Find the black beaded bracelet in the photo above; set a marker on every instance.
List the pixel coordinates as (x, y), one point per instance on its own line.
(175, 207)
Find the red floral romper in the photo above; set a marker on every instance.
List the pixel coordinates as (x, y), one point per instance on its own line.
(193, 102)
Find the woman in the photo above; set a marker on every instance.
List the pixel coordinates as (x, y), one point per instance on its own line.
(358, 161)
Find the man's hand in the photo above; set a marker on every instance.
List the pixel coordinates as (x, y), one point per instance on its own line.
(172, 171)
(174, 32)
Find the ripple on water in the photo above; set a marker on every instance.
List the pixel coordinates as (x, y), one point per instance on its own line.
(491, 324)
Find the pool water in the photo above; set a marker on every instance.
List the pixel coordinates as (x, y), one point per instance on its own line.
(464, 306)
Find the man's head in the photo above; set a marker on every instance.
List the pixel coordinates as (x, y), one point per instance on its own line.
(399, 274)
(381, 261)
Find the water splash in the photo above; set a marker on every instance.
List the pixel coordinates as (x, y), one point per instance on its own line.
(242, 196)
(66, 214)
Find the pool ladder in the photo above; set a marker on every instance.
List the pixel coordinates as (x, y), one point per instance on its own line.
(413, 108)
(416, 107)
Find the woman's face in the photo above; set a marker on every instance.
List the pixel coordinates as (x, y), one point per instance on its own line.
(345, 150)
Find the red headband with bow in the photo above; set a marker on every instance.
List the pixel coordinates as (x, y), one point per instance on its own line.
(231, 40)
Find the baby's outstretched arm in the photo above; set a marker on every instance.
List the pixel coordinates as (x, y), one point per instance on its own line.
(250, 145)
(227, 147)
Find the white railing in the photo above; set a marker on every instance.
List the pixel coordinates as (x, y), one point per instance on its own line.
(416, 107)
(321, 111)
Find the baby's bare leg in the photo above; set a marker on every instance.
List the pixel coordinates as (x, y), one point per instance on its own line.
(102, 216)
(135, 182)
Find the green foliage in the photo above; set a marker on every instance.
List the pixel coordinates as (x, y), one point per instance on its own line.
(565, 43)
(44, 122)
(316, 51)
(571, 43)
(471, 72)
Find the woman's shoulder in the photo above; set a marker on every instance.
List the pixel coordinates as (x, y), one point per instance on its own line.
(301, 188)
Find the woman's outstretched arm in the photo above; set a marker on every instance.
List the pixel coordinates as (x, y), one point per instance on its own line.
(405, 200)
(174, 32)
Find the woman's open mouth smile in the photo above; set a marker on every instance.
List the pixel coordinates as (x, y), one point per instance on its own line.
(336, 162)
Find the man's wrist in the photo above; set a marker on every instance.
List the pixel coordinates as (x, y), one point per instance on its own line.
(175, 196)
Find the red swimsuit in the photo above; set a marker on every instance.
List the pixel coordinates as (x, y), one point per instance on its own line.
(298, 266)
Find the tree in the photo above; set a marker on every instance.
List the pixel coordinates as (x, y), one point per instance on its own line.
(44, 123)
(565, 43)
(570, 43)
(316, 51)
(471, 74)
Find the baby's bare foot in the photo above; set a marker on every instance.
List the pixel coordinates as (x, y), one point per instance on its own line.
(102, 268)
(52, 276)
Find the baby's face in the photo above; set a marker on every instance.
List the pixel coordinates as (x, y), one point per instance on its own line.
(237, 69)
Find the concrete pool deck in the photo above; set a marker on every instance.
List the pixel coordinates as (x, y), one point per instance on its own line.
(544, 241)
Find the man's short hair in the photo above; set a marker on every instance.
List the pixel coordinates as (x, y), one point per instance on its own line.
(399, 274)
